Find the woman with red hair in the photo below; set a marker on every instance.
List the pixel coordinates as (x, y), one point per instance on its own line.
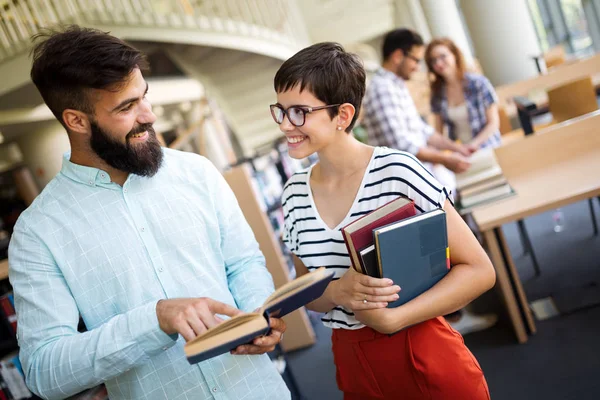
(464, 102)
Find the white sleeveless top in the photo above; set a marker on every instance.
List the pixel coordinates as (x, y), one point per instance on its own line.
(390, 174)
(459, 115)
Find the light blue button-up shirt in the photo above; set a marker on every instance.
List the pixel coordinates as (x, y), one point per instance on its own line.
(89, 247)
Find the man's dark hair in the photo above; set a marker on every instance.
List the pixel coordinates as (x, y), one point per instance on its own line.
(333, 75)
(69, 62)
(403, 39)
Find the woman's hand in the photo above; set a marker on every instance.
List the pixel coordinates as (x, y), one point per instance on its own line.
(357, 291)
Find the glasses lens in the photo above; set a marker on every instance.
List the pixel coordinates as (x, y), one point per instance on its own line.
(296, 116)
(277, 114)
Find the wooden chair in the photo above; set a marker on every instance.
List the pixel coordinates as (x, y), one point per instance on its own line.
(572, 99)
(555, 56)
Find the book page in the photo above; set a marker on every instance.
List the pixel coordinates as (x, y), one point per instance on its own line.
(249, 326)
(227, 325)
(294, 285)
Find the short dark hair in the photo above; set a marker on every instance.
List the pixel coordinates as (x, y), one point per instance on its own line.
(70, 61)
(333, 75)
(403, 39)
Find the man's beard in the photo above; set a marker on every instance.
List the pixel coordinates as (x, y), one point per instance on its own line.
(400, 71)
(143, 159)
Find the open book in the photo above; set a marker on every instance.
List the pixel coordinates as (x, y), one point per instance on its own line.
(242, 329)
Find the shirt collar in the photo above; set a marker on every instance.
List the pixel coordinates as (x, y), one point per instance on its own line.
(80, 173)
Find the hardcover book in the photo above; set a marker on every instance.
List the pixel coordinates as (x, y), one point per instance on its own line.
(358, 234)
(414, 253)
(242, 329)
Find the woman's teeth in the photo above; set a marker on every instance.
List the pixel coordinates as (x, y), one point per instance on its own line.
(295, 139)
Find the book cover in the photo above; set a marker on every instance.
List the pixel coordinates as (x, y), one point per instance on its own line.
(414, 253)
(242, 329)
(359, 233)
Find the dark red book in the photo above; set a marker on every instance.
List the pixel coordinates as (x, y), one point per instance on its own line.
(9, 312)
(359, 234)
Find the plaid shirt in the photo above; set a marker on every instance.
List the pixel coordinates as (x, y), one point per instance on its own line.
(391, 118)
(479, 96)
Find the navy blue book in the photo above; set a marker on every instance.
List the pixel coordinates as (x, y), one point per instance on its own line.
(242, 329)
(413, 253)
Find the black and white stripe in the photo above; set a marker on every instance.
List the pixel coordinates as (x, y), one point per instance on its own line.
(390, 174)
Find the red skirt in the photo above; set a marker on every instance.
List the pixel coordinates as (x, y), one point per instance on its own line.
(425, 361)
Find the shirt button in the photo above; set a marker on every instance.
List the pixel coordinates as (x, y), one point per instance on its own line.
(143, 229)
(91, 182)
(102, 175)
(214, 389)
(165, 348)
(160, 269)
(125, 190)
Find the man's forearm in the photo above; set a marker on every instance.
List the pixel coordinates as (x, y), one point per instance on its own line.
(63, 366)
(431, 155)
(442, 143)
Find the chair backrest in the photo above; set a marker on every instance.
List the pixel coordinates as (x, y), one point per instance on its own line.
(560, 75)
(555, 56)
(505, 125)
(572, 99)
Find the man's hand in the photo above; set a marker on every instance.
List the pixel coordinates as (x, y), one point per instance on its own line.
(456, 163)
(353, 288)
(264, 344)
(191, 317)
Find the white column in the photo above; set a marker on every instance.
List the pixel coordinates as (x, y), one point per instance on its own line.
(43, 150)
(409, 14)
(444, 21)
(504, 38)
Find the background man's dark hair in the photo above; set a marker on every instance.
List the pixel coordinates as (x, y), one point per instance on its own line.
(333, 75)
(69, 62)
(403, 39)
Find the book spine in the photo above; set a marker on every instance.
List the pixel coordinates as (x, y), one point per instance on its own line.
(9, 312)
(352, 252)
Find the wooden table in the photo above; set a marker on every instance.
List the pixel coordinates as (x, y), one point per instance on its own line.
(549, 169)
(535, 88)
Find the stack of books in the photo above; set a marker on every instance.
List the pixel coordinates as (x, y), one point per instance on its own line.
(483, 183)
(393, 242)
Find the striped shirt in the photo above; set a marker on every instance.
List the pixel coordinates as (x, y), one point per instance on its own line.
(390, 174)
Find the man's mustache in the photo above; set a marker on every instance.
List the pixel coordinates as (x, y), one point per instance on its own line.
(141, 128)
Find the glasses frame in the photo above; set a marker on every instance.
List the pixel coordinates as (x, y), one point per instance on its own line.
(415, 59)
(305, 110)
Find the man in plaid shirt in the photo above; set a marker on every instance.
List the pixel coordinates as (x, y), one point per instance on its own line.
(391, 118)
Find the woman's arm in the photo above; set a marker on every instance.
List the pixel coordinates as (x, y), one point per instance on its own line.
(438, 123)
(350, 291)
(492, 126)
(471, 275)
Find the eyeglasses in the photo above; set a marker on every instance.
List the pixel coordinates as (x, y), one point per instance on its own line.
(441, 57)
(296, 114)
(415, 59)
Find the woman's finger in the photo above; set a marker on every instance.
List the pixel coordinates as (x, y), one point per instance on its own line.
(379, 291)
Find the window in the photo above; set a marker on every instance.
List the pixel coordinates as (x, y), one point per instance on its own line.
(571, 23)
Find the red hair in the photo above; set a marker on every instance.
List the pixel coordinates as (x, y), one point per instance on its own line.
(438, 81)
